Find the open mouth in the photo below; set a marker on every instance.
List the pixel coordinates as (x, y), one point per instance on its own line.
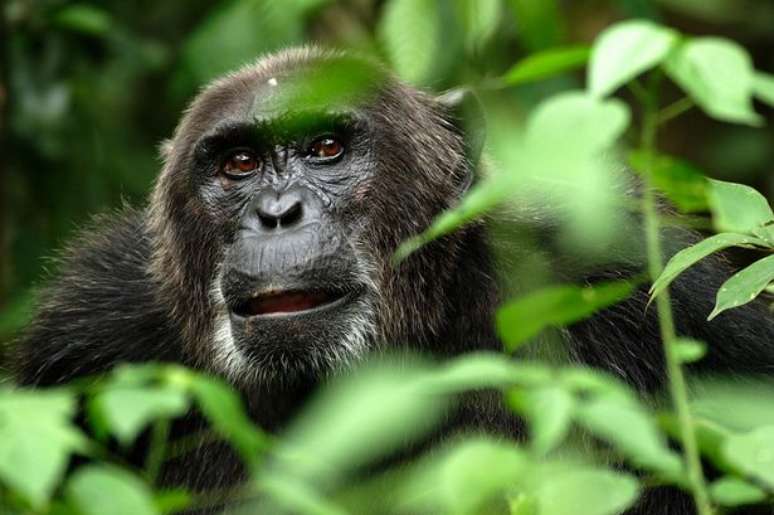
(288, 302)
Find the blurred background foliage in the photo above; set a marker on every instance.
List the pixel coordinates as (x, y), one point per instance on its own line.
(89, 90)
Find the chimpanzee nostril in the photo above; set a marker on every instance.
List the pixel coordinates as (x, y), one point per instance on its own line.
(282, 210)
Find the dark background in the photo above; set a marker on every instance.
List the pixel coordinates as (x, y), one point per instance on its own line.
(89, 90)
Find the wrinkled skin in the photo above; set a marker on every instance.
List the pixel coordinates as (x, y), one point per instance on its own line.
(279, 275)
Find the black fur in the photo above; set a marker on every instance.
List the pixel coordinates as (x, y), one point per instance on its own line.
(136, 286)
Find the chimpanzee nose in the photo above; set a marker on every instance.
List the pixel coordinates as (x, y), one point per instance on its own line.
(279, 210)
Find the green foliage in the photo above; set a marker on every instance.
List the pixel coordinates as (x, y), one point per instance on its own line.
(80, 79)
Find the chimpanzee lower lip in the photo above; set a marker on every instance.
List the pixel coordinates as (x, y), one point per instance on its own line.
(288, 303)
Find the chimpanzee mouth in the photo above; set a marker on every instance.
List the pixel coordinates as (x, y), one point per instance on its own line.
(289, 302)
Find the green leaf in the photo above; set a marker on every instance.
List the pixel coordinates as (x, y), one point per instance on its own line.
(624, 51)
(379, 409)
(680, 181)
(127, 411)
(484, 370)
(37, 437)
(744, 286)
(540, 24)
(718, 75)
(695, 253)
(84, 18)
(480, 20)
(236, 32)
(689, 351)
(101, 489)
(547, 63)
(225, 411)
(732, 491)
(753, 454)
(586, 491)
(411, 31)
(592, 124)
(631, 430)
(738, 208)
(452, 481)
(763, 86)
(549, 412)
(521, 319)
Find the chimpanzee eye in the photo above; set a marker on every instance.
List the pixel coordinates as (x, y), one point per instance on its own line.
(326, 147)
(240, 164)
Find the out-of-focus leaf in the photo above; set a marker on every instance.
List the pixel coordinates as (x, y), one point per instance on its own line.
(631, 430)
(624, 51)
(732, 491)
(750, 402)
(523, 318)
(588, 124)
(239, 31)
(453, 482)
(84, 18)
(485, 370)
(680, 181)
(101, 489)
(547, 63)
(709, 435)
(718, 75)
(752, 454)
(549, 412)
(126, 411)
(763, 86)
(172, 501)
(586, 491)
(413, 35)
(225, 411)
(691, 255)
(539, 25)
(689, 351)
(480, 20)
(37, 437)
(744, 286)
(738, 208)
(293, 495)
(378, 409)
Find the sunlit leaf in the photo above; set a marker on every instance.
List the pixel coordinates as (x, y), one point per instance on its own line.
(732, 491)
(689, 351)
(412, 32)
(763, 86)
(84, 18)
(237, 32)
(453, 482)
(127, 411)
(744, 286)
(484, 370)
(523, 318)
(101, 489)
(549, 412)
(681, 182)
(691, 255)
(37, 437)
(750, 401)
(738, 208)
(753, 453)
(587, 491)
(480, 20)
(547, 63)
(224, 409)
(631, 430)
(379, 409)
(718, 74)
(624, 51)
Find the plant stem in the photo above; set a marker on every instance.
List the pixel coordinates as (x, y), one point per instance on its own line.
(158, 445)
(677, 385)
(674, 110)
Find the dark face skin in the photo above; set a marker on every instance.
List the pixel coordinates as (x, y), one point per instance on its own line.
(278, 214)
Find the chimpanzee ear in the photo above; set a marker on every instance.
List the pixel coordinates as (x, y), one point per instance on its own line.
(467, 114)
